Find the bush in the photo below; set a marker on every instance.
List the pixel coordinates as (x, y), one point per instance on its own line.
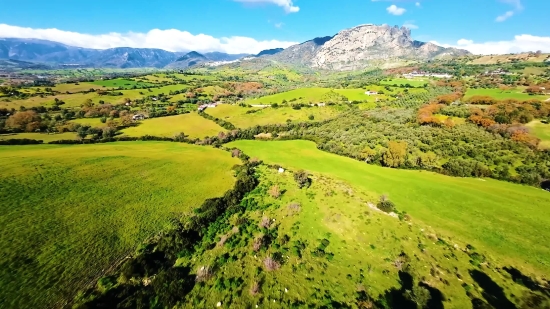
(385, 204)
(302, 179)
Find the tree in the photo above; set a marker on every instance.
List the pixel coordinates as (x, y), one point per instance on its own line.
(108, 132)
(82, 132)
(396, 154)
(28, 121)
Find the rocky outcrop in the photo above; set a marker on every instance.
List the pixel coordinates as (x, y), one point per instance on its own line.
(360, 46)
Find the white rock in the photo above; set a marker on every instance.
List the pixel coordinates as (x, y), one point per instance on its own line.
(219, 304)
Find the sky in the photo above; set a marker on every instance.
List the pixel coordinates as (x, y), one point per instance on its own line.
(249, 26)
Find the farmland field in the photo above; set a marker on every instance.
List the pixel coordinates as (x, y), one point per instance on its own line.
(237, 115)
(40, 136)
(541, 131)
(93, 122)
(70, 211)
(191, 124)
(498, 94)
(507, 219)
(119, 82)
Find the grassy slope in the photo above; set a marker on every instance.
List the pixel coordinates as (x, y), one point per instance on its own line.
(40, 136)
(93, 122)
(501, 217)
(191, 124)
(237, 115)
(365, 244)
(119, 82)
(69, 211)
(542, 131)
(500, 95)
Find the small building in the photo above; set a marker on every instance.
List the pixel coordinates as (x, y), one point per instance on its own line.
(138, 117)
(369, 93)
(281, 170)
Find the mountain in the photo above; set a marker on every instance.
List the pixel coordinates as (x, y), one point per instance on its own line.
(42, 51)
(301, 54)
(363, 46)
(272, 51)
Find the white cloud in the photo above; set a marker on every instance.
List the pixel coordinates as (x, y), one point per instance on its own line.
(410, 24)
(169, 39)
(395, 10)
(279, 25)
(504, 16)
(417, 4)
(287, 5)
(516, 3)
(520, 43)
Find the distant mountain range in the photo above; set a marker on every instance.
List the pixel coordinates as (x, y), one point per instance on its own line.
(48, 52)
(350, 49)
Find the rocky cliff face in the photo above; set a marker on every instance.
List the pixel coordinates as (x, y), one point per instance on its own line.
(301, 54)
(363, 45)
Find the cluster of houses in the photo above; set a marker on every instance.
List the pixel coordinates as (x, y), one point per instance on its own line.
(202, 107)
(497, 72)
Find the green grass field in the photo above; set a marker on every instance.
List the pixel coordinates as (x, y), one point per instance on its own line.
(93, 122)
(498, 94)
(456, 120)
(68, 212)
(191, 124)
(363, 245)
(120, 82)
(237, 115)
(502, 218)
(541, 131)
(417, 82)
(40, 136)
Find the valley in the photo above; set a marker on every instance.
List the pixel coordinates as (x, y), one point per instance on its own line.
(364, 169)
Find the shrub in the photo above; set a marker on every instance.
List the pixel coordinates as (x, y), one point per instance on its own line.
(271, 264)
(385, 204)
(302, 179)
(265, 223)
(204, 274)
(255, 288)
(311, 117)
(275, 192)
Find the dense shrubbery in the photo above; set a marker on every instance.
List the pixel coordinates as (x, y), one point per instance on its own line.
(393, 138)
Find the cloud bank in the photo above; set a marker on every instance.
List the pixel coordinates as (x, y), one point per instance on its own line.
(170, 39)
(520, 43)
(287, 5)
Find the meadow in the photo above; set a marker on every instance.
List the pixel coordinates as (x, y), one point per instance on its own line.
(92, 122)
(541, 131)
(505, 219)
(191, 124)
(238, 116)
(68, 212)
(40, 136)
(120, 82)
(361, 249)
(498, 94)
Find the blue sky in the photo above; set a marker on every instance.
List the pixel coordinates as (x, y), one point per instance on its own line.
(483, 26)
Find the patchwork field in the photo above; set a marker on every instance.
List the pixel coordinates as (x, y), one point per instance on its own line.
(506, 219)
(40, 136)
(238, 115)
(498, 94)
(191, 124)
(70, 211)
(541, 131)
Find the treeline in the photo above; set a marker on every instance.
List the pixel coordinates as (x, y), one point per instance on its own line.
(169, 284)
